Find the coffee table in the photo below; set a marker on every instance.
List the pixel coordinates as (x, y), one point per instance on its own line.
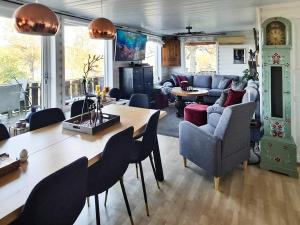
(179, 93)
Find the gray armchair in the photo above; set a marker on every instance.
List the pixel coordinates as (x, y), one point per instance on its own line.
(220, 145)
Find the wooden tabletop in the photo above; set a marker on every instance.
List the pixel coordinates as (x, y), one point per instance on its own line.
(51, 148)
(197, 92)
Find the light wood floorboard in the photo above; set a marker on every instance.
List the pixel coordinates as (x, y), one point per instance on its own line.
(187, 196)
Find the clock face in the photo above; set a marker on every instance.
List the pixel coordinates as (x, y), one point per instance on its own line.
(275, 33)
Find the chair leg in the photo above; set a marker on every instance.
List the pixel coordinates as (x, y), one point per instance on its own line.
(184, 162)
(126, 200)
(245, 165)
(137, 172)
(217, 183)
(144, 188)
(154, 171)
(105, 200)
(97, 210)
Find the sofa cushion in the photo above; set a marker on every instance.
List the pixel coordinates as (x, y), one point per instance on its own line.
(181, 78)
(202, 81)
(224, 82)
(238, 85)
(234, 97)
(190, 79)
(215, 81)
(215, 92)
(213, 119)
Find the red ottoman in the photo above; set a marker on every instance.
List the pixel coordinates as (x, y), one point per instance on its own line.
(196, 114)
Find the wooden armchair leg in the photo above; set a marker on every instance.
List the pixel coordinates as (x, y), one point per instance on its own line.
(217, 183)
(184, 162)
(245, 165)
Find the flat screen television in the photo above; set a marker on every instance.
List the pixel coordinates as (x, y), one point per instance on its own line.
(130, 46)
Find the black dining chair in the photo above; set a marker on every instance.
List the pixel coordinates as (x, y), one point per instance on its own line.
(143, 149)
(45, 118)
(4, 134)
(139, 100)
(57, 199)
(115, 93)
(110, 168)
(81, 106)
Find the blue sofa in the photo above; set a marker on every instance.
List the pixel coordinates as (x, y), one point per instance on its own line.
(211, 83)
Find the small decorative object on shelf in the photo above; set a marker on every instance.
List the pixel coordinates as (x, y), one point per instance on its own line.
(23, 156)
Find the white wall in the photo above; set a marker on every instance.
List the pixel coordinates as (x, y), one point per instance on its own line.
(291, 12)
(225, 59)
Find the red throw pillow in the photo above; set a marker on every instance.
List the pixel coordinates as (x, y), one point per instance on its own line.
(180, 78)
(234, 97)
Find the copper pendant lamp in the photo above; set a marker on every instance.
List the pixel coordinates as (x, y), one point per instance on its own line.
(102, 28)
(36, 19)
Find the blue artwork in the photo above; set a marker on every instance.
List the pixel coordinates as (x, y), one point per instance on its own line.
(130, 46)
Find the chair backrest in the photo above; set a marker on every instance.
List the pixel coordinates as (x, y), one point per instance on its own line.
(59, 198)
(234, 127)
(150, 135)
(115, 93)
(113, 164)
(81, 106)
(139, 100)
(4, 134)
(45, 118)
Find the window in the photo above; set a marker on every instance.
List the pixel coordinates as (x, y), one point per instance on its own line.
(20, 70)
(152, 58)
(200, 57)
(78, 47)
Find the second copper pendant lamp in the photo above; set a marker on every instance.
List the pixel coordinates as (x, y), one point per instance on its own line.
(102, 28)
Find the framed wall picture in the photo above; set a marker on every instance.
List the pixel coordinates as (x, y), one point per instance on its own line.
(239, 55)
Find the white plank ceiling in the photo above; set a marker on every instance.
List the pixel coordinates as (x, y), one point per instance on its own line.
(169, 16)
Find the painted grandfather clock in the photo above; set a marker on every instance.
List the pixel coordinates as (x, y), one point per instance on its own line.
(278, 149)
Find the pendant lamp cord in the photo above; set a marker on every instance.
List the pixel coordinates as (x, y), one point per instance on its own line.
(101, 8)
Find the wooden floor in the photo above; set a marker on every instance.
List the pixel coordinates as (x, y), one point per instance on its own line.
(187, 196)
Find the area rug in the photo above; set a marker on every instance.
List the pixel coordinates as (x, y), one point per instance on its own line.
(169, 124)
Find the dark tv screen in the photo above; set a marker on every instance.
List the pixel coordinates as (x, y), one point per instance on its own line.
(130, 46)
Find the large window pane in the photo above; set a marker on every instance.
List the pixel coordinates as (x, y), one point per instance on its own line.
(20, 69)
(200, 57)
(151, 58)
(78, 47)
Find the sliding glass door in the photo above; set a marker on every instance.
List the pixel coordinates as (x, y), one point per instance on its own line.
(78, 48)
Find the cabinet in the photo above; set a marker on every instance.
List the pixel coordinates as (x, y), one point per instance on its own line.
(137, 79)
(171, 52)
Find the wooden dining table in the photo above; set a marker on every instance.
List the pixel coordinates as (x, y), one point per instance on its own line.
(52, 147)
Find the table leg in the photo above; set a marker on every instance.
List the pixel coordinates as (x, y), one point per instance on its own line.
(157, 162)
(179, 103)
